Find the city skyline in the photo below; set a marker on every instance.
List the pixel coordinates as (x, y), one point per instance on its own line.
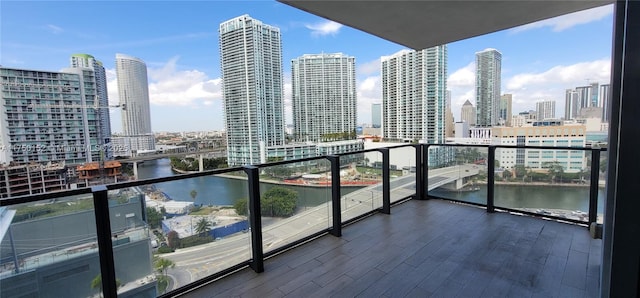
(539, 60)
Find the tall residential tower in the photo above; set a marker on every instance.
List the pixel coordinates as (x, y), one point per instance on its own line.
(251, 58)
(324, 97)
(102, 106)
(488, 68)
(133, 92)
(414, 85)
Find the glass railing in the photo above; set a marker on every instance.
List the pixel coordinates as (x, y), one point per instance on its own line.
(295, 202)
(459, 173)
(165, 236)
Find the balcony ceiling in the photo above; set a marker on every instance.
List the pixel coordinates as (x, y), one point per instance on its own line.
(420, 24)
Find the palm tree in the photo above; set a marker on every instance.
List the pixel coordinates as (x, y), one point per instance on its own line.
(162, 264)
(203, 226)
(96, 283)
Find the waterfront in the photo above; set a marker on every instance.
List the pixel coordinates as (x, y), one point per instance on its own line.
(224, 191)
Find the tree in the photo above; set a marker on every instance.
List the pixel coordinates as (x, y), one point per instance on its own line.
(506, 174)
(96, 283)
(241, 207)
(279, 201)
(162, 264)
(174, 239)
(153, 217)
(203, 226)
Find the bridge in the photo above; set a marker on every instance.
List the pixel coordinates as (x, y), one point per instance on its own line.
(218, 152)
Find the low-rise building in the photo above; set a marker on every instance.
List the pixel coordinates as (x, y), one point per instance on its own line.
(29, 179)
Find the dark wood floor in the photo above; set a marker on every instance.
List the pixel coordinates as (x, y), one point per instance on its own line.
(430, 249)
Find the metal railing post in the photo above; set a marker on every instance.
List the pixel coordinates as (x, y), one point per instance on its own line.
(425, 171)
(593, 185)
(336, 213)
(255, 219)
(105, 246)
(418, 171)
(386, 182)
(491, 179)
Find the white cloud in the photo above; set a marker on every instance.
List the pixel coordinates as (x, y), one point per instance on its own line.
(368, 68)
(171, 87)
(324, 28)
(570, 75)
(369, 91)
(567, 21)
(53, 29)
(528, 88)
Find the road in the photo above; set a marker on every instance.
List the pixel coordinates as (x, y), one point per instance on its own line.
(198, 262)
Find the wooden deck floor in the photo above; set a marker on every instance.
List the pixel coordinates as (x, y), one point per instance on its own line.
(430, 249)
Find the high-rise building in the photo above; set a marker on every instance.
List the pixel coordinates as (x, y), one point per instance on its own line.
(376, 115)
(414, 95)
(571, 104)
(448, 118)
(545, 110)
(104, 119)
(505, 109)
(468, 113)
(251, 58)
(45, 116)
(605, 94)
(133, 92)
(324, 97)
(488, 70)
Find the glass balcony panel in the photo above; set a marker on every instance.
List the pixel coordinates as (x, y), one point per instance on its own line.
(602, 186)
(360, 183)
(554, 186)
(458, 173)
(191, 230)
(402, 163)
(49, 248)
(295, 201)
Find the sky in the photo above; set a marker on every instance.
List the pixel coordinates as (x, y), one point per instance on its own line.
(178, 40)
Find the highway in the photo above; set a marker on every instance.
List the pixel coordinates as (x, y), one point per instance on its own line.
(198, 262)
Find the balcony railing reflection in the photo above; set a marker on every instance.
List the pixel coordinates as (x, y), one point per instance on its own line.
(413, 180)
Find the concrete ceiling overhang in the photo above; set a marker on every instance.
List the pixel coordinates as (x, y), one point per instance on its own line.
(420, 24)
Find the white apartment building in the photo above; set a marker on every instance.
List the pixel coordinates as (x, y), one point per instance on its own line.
(48, 116)
(104, 118)
(546, 109)
(133, 93)
(324, 96)
(251, 63)
(558, 135)
(414, 95)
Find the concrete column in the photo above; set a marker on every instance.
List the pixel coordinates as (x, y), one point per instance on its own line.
(135, 170)
(621, 244)
(201, 163)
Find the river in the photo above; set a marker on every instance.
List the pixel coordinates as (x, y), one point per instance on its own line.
(224, 191)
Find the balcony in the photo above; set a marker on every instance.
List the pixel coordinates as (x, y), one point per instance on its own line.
(390, 236)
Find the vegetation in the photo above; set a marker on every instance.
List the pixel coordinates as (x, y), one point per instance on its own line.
(193, 164)
(154, 217)
(202, 210)
(162, 265)
(173, 239)
(203, 226)
(277, 201)
(96, 283)
(193, 194)
(53, 209)
(338, 136)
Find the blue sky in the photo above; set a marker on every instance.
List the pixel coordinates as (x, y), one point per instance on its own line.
(179, 42)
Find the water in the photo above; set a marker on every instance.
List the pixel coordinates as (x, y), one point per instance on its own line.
(523, 196)
(225, 191)
(222, 191)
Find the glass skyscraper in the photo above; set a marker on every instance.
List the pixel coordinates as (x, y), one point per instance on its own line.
(251, 58)
(133, 92)
(488, 69)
